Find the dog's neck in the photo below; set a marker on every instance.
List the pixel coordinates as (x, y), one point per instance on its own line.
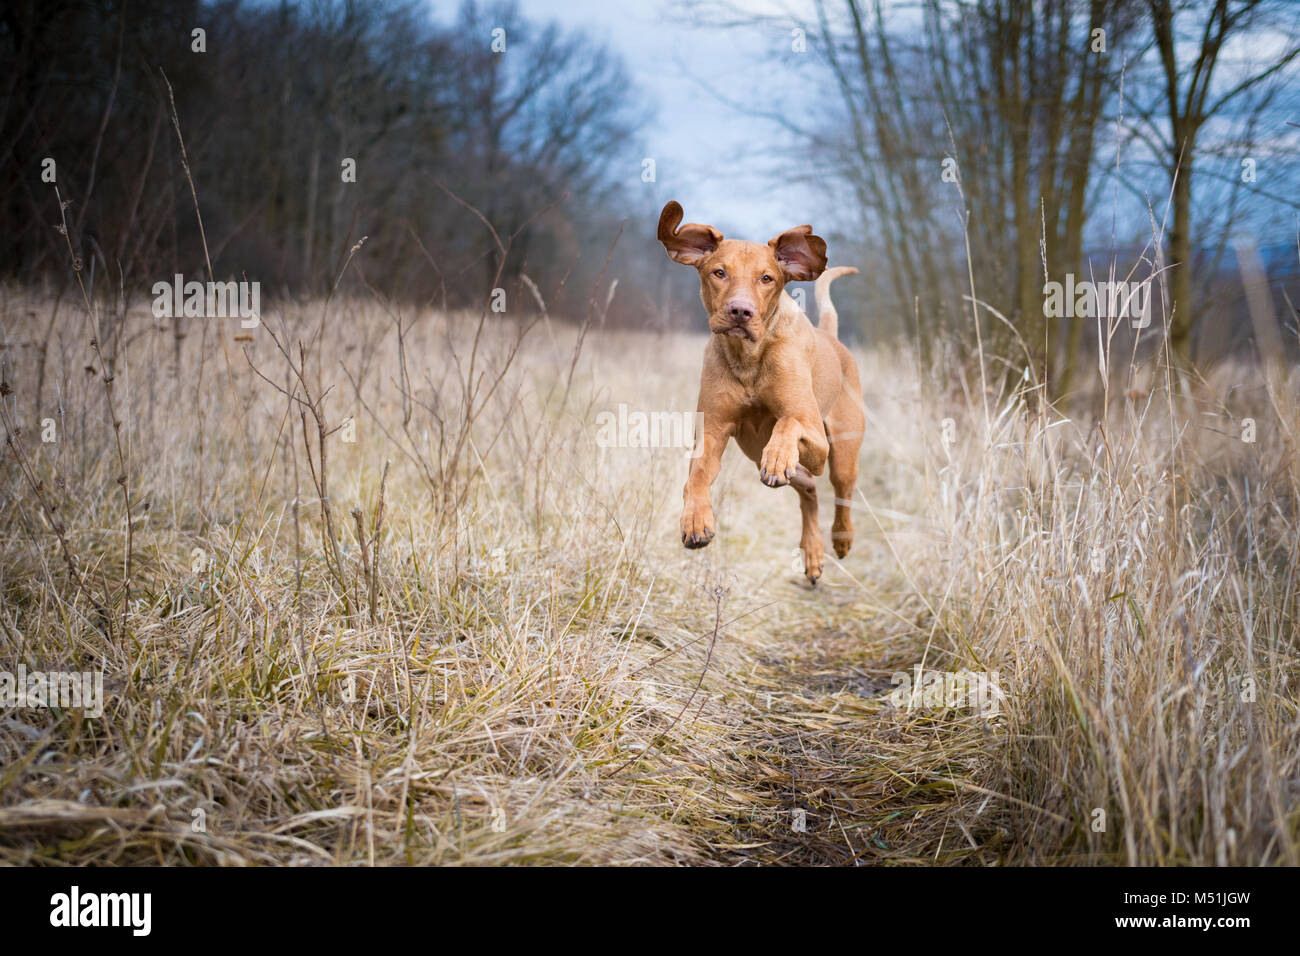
(745, 358)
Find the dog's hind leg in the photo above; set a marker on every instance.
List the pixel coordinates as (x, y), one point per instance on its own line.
(810, 542)
(844, 428)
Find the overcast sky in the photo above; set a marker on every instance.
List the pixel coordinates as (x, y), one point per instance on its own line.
(725, 166)
(714, 160)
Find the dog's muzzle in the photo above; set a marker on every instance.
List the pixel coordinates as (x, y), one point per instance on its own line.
(739, 330)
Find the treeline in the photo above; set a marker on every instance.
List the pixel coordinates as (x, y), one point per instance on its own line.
(1035, 141)
(307, 127)
(1040, 139)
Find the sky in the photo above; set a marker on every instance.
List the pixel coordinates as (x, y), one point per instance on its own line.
(709, 156)
(722, 165)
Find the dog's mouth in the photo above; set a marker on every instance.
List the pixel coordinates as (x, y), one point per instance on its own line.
(738, 332)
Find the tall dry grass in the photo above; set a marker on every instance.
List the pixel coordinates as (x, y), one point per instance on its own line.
(491, 655)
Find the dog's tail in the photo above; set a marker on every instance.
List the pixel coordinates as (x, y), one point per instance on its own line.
(828, 320)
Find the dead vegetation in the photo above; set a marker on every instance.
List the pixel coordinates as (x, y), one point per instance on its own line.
(390, 602)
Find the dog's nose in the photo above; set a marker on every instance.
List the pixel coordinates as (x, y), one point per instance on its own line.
(740, 311)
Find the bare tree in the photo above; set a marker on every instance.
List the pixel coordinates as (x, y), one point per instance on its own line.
(1190, 99)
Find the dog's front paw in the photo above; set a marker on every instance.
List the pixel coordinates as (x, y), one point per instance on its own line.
(697, 525)
(778, 463)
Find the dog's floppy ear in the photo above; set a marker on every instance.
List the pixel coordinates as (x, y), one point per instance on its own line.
(801, 254)
(689, 244)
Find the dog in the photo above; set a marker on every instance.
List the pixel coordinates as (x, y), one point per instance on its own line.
(788, 393)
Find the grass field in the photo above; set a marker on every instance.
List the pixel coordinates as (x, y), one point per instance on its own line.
(500, 652)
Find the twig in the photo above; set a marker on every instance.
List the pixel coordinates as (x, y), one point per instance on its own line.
(49, 509)
(718, 594)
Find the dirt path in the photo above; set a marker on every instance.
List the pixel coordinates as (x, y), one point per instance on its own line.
(815, 766)
(835, 775)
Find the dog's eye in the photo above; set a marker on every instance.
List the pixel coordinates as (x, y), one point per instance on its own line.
(766, 277)
(719, 273)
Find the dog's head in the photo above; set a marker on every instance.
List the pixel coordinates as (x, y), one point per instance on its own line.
(741, 282)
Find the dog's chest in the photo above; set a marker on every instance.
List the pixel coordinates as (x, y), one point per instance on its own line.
(746, 369)
(747, 377)
(755, 414)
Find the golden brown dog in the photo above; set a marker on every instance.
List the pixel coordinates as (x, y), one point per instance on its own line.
(787, 392)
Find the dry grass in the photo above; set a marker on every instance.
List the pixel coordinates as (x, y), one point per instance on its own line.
(512, 692)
